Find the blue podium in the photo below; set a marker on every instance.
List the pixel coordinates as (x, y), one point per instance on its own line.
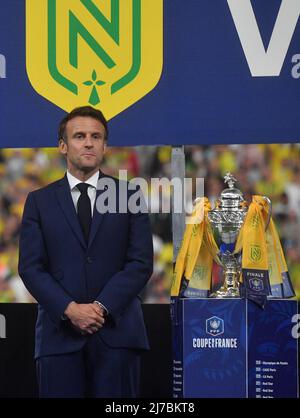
(231, 348)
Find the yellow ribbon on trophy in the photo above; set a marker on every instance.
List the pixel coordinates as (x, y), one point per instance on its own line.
(251, 239)
(197, 251)
(263, 262)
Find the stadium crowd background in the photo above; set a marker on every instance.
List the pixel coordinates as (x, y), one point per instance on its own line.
(271, 170)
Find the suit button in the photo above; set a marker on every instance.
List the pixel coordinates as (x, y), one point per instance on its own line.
(89, 260)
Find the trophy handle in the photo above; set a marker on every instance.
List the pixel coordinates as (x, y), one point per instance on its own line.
(270, 211)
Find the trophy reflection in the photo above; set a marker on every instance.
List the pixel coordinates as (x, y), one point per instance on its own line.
(226, 221)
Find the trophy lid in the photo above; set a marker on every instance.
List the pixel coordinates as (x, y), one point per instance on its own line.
(231, 197)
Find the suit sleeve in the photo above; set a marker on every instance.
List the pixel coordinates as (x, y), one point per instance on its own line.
(129, 282)
(33, 264)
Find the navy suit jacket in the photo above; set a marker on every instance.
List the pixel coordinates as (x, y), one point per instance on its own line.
(57, 267)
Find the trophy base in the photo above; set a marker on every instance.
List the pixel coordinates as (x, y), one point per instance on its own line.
(226, 292)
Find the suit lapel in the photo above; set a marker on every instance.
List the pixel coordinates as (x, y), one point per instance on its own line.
(65, 200)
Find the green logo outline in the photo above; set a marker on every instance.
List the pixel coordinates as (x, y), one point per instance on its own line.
(77, 28)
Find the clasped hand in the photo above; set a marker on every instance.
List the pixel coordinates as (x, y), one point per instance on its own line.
(87, 318)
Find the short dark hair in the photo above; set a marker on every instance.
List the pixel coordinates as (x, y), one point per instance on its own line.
(84, 111)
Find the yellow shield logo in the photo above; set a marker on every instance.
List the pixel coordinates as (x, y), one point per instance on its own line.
(105, 53)
(255, 253)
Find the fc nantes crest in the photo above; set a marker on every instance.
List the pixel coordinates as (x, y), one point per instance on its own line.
(106, 53)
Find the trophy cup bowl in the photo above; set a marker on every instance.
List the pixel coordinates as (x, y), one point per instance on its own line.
(226, 221)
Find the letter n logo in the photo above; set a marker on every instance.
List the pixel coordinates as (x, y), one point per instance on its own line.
(105, 53)
(255, 253)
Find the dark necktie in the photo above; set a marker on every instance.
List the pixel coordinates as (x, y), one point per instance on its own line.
(84, 209)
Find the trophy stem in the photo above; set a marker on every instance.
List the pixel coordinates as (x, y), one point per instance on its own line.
(231, 273)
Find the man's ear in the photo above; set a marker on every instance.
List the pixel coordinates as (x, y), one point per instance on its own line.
(104, 147)
(63, 147)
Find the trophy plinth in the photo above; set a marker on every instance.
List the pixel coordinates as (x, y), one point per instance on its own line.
(226, 221)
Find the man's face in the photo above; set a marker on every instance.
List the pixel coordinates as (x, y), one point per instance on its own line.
(85, 145)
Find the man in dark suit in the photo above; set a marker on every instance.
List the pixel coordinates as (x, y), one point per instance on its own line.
(86, 270)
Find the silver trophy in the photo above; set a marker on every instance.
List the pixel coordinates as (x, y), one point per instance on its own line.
(226, 220)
